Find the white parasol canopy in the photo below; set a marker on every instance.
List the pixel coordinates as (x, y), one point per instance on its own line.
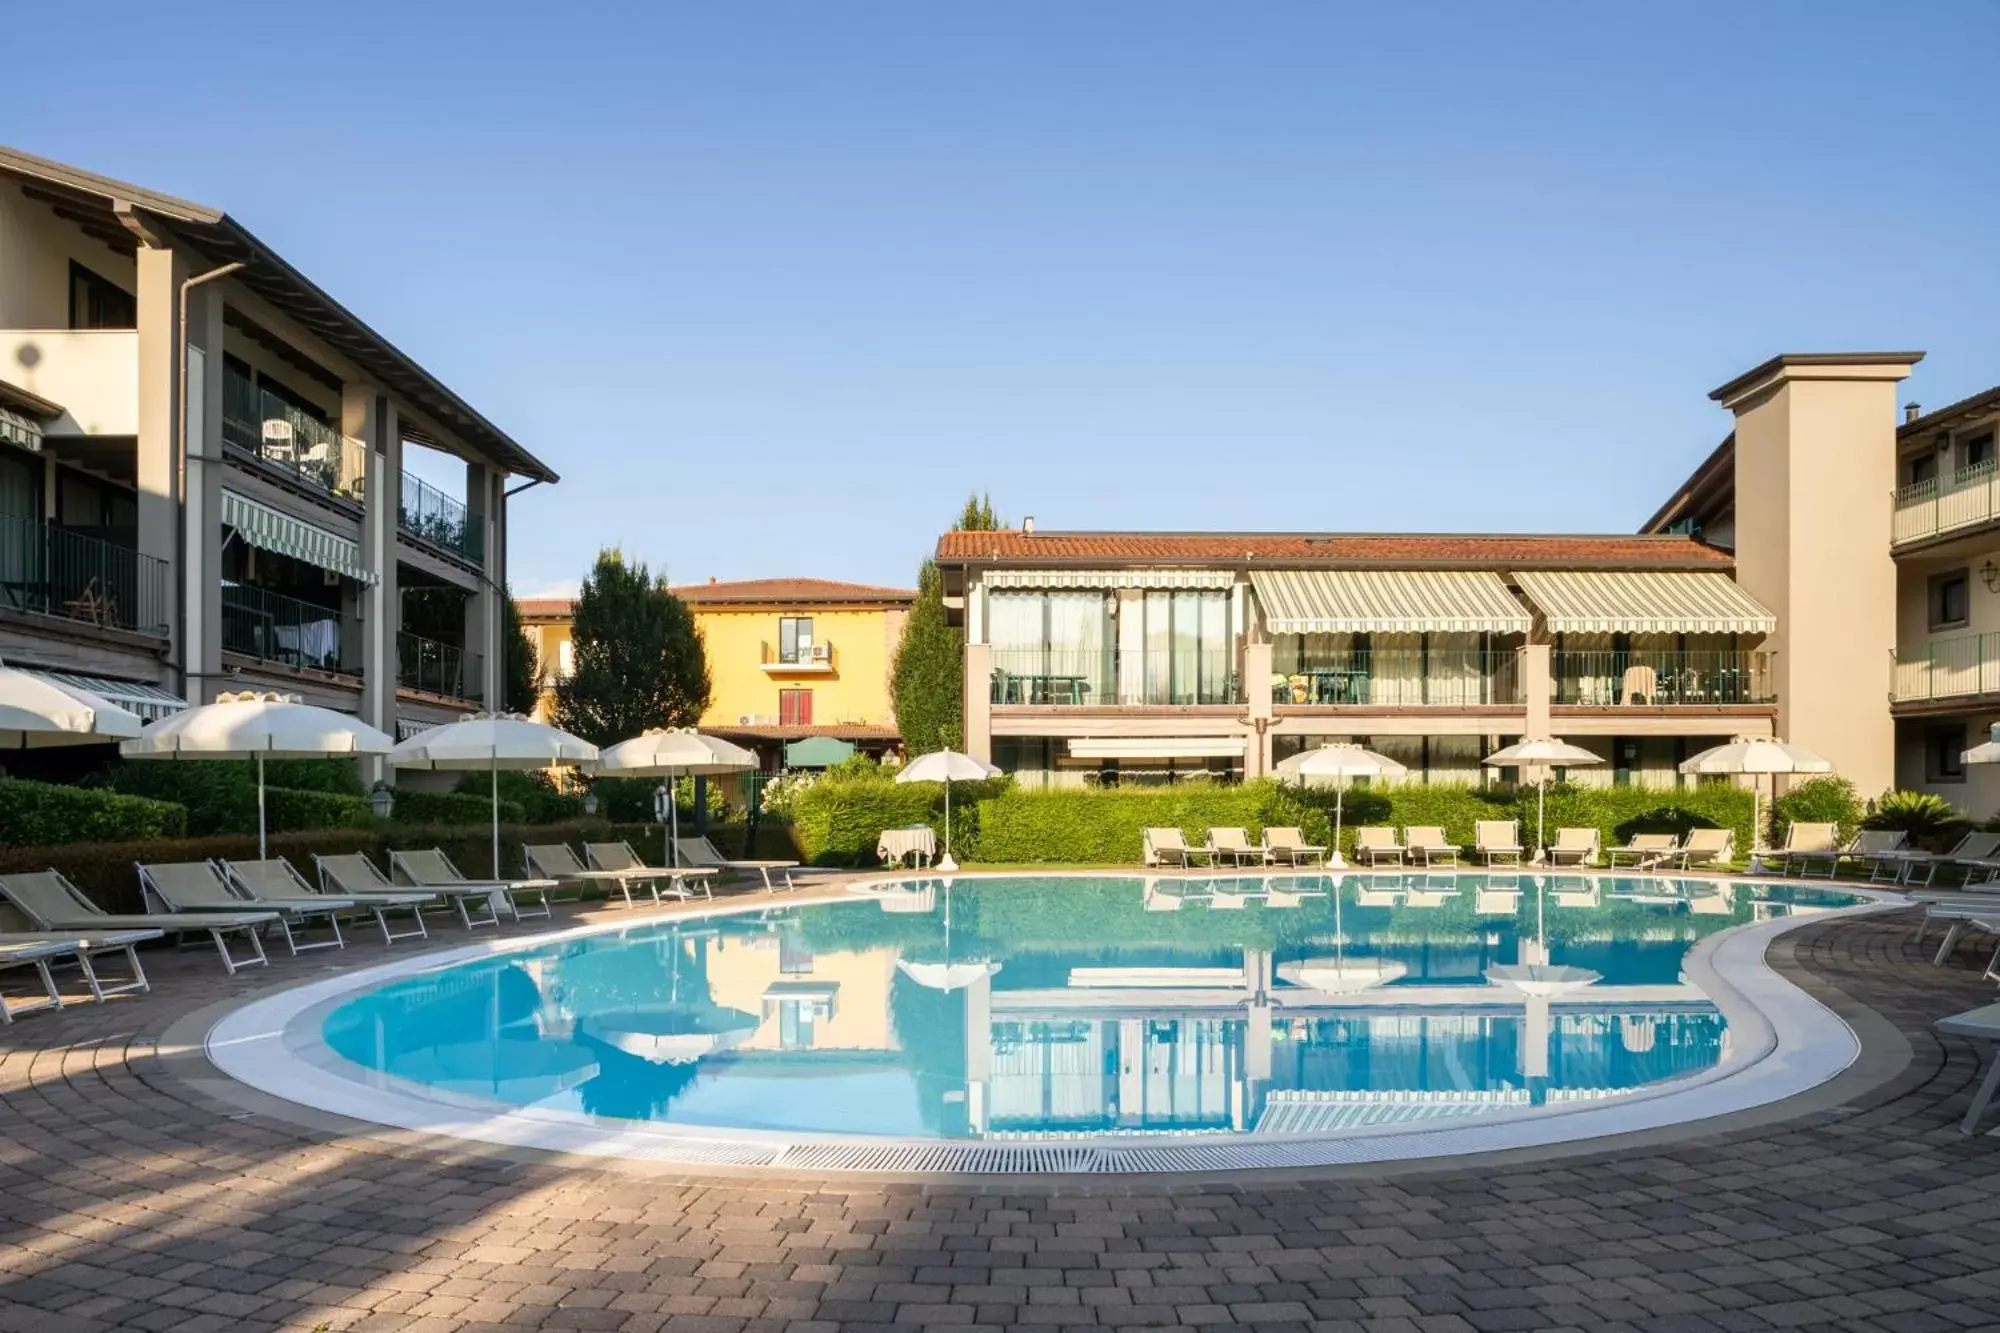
(946, 976)
(947, 766)
(1341, 760)
(1987, 751)
(257, 726)
(1542, 752)
(1342, 975)
(674, 753)
(491, 742)
(1753, 755)
(36, 713)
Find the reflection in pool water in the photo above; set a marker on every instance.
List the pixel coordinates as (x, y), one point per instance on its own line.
(1089, 1005)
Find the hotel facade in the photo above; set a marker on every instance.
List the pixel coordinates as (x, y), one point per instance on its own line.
(1828, 574)
(202, 471)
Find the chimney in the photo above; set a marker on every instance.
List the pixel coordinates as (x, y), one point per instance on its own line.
(711, 580)
(1028, 525)
(1911, 411)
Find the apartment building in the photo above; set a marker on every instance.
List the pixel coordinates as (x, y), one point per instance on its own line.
(788, 659)
(1763, 599)
(202, 471)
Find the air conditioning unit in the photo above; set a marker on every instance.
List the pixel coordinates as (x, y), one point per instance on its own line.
(821, 652)
(278, 432)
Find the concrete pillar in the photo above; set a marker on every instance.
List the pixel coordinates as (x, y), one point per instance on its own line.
(201, 550)
(979, 701)
(1257, 685)
(1537, 688)
(1815, 466)
(160, 274)
(367, 415)
(483, 512)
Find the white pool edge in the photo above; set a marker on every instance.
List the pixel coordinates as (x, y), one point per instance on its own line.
(1781, 1042)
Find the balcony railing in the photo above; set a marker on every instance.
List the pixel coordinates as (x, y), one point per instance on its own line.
(279, 435)
(1966, 499)
(1641, 679)
(438, 668)
(805, 656)
(1108, 677)
(276, 628)
(57, 572)
(1403, 677)
(429, 515)
(1946, 668)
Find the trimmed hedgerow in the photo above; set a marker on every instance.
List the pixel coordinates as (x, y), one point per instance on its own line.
(220, 795)
(452, 808)
(836, 821)
(46, 813)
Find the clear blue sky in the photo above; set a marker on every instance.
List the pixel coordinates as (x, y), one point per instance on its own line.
(775, 285)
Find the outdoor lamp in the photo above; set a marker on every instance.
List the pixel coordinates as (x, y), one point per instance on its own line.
(382, 800)
(1990, 576)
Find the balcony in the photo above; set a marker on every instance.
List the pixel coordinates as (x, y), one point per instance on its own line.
(92, 374)
(438, 668)
(57, 572)
(1110, 678)
(277, 434)
(1403, 678)
(275, 628)
(1640, 679)
(806, 659)
(1945, 669)
(1941, 506)
(433, 517)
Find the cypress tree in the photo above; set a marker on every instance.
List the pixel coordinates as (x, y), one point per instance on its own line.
(639, 661)
(928, 677)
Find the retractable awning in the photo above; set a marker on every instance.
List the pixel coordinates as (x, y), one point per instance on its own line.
(20, 429)
(1413, 601)
(1179, 579)
(1161, 747)
(268, 529)
(151, 702)
(1644, 602)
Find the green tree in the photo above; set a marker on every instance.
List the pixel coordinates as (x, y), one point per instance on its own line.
(928, 677)
(638, 657)
(518, 686)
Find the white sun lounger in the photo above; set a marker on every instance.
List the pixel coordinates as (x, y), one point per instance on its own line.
(1235, 844)
(1498, 840)
(620, 856)
(1574, 847)
(702, 853)
(1376, 843)
(55, 904)
(276, 878)
(1287, 845)
(432, 869)
(17, 927)
(1168, 847)
(1704, 846)
(558, 861)
(199, 886)
(1981, 1025)
(1428, 846)
(1646, 850)
(1973, 854)
(353, 875)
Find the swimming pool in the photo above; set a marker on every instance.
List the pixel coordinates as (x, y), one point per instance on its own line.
(1077, 1014)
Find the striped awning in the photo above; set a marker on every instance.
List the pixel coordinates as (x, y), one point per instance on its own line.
(1183, 579)
(20, 429)
(151, 702)
(1643, 602)
(1414, 601)
(270, 530)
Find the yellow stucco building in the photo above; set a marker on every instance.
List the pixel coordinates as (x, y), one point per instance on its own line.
(788, 659)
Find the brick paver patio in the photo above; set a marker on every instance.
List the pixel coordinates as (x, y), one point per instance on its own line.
(130, 1198)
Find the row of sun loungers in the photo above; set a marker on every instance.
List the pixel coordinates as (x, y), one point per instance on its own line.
(1495, 842)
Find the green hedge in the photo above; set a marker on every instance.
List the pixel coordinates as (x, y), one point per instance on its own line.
(1102, 827)
(533, 794)
(46, 813)
(220, 795)
(453, 808)
(836, 822)
(1827, 800)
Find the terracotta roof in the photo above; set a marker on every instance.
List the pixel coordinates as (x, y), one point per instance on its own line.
(545, 608)
(845, 731)
(1361, 550)
(761, 591)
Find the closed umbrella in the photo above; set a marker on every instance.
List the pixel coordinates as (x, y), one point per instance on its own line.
(37, 713)
(1754, 755)
(1339, 762)
(947, 766)
(492, 741)
(257, 726)
(1544, 753)
(674, 753)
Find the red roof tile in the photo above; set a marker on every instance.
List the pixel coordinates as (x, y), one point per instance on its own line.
(752, 592)
(842, 731)
(1408, 550)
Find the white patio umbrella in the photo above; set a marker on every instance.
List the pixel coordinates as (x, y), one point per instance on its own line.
(1987, 751)
(947, 766)
(674, 753)
(1754, 755)
(1339, 761)
(258, 726)
(492, 741)
(37, 713)
(1542, 752)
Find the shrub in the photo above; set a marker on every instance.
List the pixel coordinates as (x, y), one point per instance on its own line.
(45, 814)
(1822, 800)
(290, 810)
(1103, 826)
(837, 823)
(1927, 817)
(451, 809)
(533, 794)
(220, 795)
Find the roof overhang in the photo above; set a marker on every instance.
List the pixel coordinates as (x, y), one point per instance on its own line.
(1815, 366)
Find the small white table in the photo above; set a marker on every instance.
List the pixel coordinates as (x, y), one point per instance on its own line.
(1980, 1025)
(917, 843)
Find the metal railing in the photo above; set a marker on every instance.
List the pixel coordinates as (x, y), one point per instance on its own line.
(1927, 508)
(56, 572)
(429, 515)
(1403, 677)
(276, 433)
(438, 668)
(817, 654)
(1644, 679)
(1108, 677)
(1945, 668)
(276, 628)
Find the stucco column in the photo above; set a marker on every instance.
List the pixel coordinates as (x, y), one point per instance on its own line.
(1537, 688)
(367, 415)
(482, 610)
(160, 274)
(979, 701)
(201, 552)
(1257, 694)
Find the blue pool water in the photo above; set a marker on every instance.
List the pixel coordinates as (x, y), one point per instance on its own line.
(1088, 1004)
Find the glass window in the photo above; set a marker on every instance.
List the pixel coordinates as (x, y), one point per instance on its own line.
(795, 638)
(1951, 599)
(1944, 750)
(1923, 468)
(96, 302)
(1976, 452)
(566, 659)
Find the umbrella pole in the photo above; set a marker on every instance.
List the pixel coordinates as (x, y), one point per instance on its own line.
(1339, 795)
(1541, 816)
(947, 863)
(493, 772)
(262, 850)
(674, 814)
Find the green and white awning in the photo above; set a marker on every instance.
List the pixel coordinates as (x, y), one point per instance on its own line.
(151, 702)
(1410, 601)
(17, 428)
(1179, 579)
(269, 529)
(1643, 602)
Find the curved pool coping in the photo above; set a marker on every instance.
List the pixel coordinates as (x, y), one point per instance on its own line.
(1780, 1042)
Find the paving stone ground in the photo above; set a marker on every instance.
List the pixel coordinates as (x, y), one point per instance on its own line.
(131, 1199)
